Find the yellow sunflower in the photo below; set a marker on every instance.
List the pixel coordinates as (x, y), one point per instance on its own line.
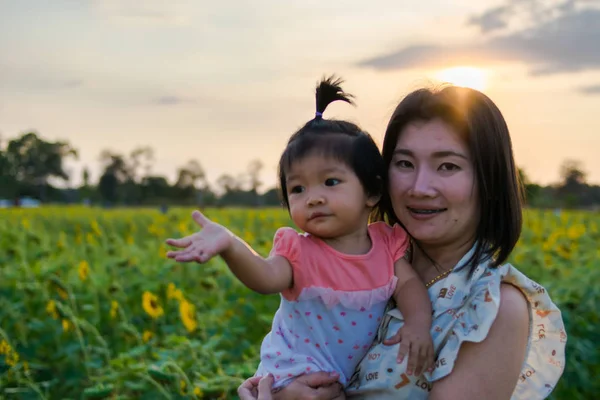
(173, 292)
(114, 307)
(188, 315)
(84, 270)
(4, 347)
(147, 336)
(62, 293)
(182, 387)
(66, 325)
(51, 309)
(151, 305)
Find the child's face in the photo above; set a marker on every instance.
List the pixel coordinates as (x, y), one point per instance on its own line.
(326, 198)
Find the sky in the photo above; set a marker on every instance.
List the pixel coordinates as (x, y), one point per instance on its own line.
(227, 83)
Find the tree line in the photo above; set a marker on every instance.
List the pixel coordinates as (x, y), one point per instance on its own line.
(29, 163)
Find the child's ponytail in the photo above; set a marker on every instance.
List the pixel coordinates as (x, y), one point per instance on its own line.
(328, 91)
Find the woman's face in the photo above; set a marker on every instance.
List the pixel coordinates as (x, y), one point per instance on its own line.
(432, 184)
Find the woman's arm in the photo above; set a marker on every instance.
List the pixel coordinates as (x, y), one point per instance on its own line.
(490, 369)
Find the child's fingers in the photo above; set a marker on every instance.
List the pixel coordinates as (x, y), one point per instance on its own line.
(178, 253)
(394, 339)
(200, 218)
(187, 258)
(403, 351)
(181, 243)
(172, 254)
(186, 250)
(429, 360)
(188, 254)
(202, 257)
(421, 360)
(413, 359)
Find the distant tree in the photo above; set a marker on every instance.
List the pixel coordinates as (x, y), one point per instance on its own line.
(573, 188)
(8, 182)
(253, 172)
(108, 186)
(116, 173)
(254, 169)
(116, 164)
(140, 158)
(85, 176)
(572, 173)
(191, 184)
(34, 160)
(155, 189)
(531, 190)
(190, 175)
(271, 197)
(227, 183)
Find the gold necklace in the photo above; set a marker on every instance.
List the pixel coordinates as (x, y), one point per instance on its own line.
(437, 278)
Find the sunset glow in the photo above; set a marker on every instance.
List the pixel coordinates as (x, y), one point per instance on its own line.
(471, 77)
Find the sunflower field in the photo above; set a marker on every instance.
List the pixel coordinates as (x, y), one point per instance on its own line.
(90, 307)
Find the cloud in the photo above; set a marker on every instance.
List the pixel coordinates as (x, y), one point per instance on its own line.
(71, 84)
(172, 101)
(590, 90)
(523, 13)
(566, 41)
(148, 12)
(491, 20)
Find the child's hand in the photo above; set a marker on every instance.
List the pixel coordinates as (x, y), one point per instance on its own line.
(416, 340)
(212, 240)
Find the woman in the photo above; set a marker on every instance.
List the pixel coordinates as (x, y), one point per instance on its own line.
(453, 185)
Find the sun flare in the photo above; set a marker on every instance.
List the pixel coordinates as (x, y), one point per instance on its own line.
(474, 78)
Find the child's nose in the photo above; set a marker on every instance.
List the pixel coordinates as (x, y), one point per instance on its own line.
(315, 199)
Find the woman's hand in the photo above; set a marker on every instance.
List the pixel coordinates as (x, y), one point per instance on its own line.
(315, 386)
(256, 388)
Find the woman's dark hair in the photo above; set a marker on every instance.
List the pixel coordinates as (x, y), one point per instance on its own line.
(340, 140)
(483, 128)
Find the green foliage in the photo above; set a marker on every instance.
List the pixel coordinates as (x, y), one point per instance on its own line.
(91, 308)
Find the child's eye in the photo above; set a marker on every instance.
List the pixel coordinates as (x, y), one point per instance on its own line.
(296, 189)
(332, 182)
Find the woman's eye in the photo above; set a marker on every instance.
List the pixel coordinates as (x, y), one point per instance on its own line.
(332, 182)
(403, 164)
(296, 189)
(448, 167)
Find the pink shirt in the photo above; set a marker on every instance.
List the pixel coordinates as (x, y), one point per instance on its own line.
(327, 320)
(316, 264)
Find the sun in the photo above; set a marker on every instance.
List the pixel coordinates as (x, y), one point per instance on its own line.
(472, 77)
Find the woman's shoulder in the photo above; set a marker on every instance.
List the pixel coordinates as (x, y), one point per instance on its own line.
(503, 300)
(513, 311)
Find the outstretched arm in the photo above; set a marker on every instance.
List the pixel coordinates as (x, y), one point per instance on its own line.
(263, 275)
(266, 276)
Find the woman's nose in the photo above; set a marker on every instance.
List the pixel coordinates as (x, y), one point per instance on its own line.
(423, 184)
